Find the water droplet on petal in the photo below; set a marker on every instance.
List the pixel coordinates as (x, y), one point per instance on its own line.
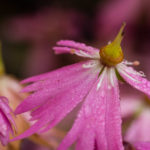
(87, 110)
(102, 93)
(148, 84)
(109, 87)
(144, 81)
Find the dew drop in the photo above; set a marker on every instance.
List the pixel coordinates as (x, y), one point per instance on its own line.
(148, 84)
(144, 81)
(102, 94)
(87, 110)
(109, 87)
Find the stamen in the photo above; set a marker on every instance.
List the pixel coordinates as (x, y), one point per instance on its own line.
(142, 73)
(109, 42)
(91, 64)
(135, 63)
(126, 74)
(84, 54)
(101, 78)
(111, 76)
(130, 70)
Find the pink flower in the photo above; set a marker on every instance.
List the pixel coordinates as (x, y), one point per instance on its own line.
(6, 121)
(95, 81)
(139, 129)
(136, 109)
(107, 22)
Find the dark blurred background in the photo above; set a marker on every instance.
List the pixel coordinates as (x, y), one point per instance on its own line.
(30, 28)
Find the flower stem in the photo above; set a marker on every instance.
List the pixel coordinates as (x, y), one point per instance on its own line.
(2, 69)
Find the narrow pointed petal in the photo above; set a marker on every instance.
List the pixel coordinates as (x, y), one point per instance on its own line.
(84, 122)
(113, 117)
(100, 115)
(58, 73)
(76, 45)
(59, 79)
(134, 78)
(58, 108)
(55, 88)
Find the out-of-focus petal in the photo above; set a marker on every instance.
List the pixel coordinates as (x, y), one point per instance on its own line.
(139, 129)
(125, 10)
(6, 121)
(142, 145)
(129, 105)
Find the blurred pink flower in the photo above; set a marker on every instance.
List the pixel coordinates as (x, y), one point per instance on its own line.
(137, 132)
(6, 121)
(55, 94)
(131, 101)
(139, 129)
(113, 13)
(41, 30)
(142, 145)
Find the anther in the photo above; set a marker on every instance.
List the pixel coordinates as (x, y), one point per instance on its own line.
(136, 63)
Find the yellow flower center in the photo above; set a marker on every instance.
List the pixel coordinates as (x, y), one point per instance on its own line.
(112, 54)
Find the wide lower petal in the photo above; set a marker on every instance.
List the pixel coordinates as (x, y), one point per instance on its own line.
(100, 115)
(53, 89)
(56, 110)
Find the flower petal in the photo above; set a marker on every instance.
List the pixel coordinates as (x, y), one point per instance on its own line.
(56, 74)
(56, 81)
(6, 121)
(100, 115)
(51, 90)
(80, 49)
(76, 45)
(134, 78)
(58, 108)
(113, 115)
(86, 140)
